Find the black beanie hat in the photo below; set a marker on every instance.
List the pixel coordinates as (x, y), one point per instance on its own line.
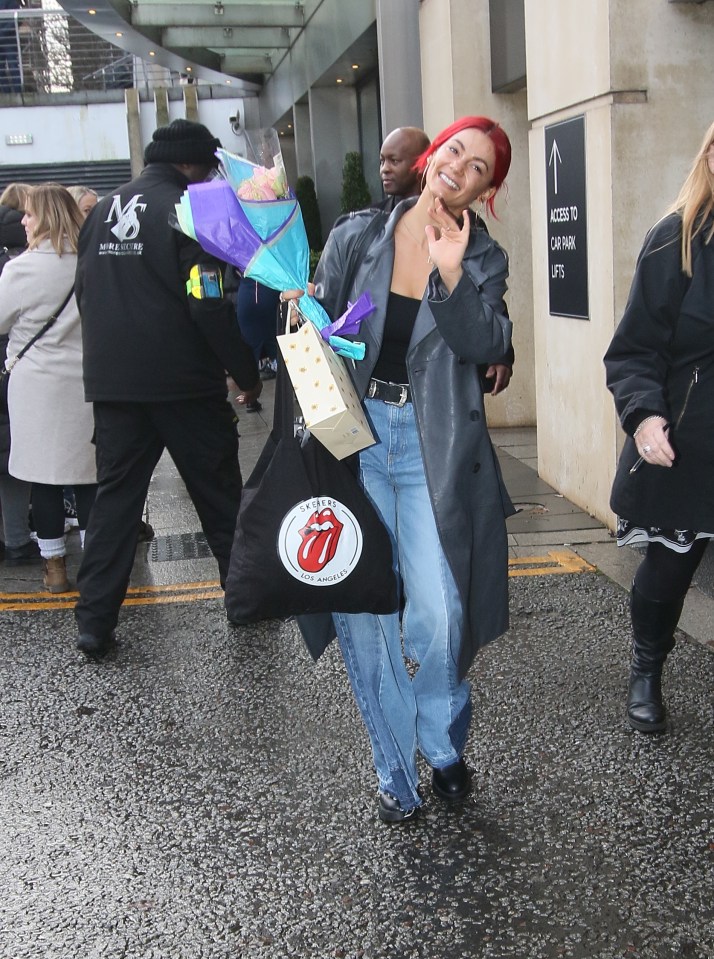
(182, 141)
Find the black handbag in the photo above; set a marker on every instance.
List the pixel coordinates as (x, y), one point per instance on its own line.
(5, 372)
(307, 538)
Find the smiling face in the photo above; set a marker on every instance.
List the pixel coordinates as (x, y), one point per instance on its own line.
(461, 170)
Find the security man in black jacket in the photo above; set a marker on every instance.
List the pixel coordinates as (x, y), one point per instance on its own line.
(158, 339)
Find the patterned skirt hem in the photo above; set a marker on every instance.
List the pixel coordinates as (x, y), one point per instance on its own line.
(679, 540)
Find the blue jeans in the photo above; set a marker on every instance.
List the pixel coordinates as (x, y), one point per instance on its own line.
(431, 712)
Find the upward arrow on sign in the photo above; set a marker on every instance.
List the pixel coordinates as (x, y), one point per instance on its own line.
(555, 159)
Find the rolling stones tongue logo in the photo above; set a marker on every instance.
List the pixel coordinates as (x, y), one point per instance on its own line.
(320, 538)
(320, 541)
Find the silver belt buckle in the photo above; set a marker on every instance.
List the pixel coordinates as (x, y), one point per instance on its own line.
(403, 396)
(372, 389)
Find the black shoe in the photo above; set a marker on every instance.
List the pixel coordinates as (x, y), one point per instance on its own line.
(255, 407)
(646, 711)
(390, 811)
(452, 783)
(95, 645)
(22, 555)
(146, 532)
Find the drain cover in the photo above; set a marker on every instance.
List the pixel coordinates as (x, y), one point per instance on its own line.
(170, 549)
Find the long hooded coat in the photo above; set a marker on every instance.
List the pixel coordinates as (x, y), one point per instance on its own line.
(451, 335)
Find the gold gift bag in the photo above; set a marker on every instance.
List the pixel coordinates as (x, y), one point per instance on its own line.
(324, 390)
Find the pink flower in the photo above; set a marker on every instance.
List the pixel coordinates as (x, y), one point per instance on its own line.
(264, 184)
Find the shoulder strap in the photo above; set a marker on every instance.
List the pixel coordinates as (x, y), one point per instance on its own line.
(45, 327)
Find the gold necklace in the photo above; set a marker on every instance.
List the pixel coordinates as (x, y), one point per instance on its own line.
(424, 247)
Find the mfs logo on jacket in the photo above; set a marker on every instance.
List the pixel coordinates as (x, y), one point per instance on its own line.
(127, 226)
(320, 541)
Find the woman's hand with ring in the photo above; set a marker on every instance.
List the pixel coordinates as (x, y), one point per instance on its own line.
(652, 443)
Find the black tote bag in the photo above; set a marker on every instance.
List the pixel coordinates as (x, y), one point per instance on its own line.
(307, 538)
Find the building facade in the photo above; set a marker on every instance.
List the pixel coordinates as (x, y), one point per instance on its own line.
(605, 102)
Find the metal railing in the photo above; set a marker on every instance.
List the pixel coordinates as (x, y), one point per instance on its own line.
(47, 51)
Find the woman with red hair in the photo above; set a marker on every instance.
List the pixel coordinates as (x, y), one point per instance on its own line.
(438, 280)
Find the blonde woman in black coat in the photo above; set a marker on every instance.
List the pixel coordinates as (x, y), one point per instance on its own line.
(660, 369)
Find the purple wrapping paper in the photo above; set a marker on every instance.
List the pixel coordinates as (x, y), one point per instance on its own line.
(351, 319)
(221, 226)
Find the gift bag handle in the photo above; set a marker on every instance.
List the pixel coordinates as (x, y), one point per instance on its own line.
(284, 408)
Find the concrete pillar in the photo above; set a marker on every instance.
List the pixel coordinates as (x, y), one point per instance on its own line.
(333, 124)
(303, 140)
(161, 106)
(399, 63)
(133, 124)
(190, 99)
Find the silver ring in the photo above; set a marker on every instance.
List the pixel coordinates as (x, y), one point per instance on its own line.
(646, 449)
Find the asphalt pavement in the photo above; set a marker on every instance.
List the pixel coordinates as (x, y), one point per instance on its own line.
(207, 792)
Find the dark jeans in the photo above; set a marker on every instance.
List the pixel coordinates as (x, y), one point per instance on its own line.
(200, 436)
(257, 312)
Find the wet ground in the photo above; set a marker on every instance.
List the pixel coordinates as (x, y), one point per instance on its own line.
(207, 792)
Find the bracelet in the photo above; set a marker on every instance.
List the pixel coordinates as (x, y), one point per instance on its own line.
(655, 416)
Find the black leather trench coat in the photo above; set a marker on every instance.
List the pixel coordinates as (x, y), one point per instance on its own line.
(661, 360)
(452, 334)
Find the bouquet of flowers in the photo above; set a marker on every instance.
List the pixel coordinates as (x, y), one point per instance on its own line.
(248, 216)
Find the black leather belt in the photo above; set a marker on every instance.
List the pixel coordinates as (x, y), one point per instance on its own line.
(396, 394)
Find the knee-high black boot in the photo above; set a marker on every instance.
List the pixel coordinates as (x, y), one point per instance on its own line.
(653, 626)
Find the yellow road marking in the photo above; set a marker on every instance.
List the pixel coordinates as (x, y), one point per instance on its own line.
(556, 561)
(136, 596)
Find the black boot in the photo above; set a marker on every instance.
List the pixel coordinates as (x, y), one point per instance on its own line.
(653, 626)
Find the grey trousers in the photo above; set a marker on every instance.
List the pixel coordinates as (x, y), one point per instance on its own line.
(15, 505)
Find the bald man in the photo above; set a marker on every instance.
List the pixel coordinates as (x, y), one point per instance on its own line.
(396, 159)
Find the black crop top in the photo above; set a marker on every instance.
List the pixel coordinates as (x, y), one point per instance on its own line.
(391, 364)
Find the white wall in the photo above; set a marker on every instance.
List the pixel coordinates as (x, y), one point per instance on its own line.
(85, 133)
(212, 113)
(640, 73)
(63, 134)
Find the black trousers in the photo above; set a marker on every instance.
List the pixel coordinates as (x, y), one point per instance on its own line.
(48, 508)
(200, 436)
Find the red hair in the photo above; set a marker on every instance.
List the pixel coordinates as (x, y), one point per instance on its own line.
(501, 144)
